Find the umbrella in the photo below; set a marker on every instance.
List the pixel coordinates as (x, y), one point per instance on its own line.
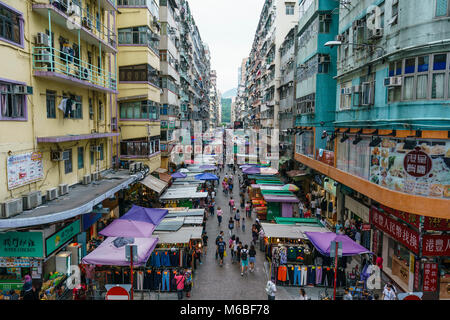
(322, 242)
(150, 215)
(178, 175)
(128, 228)
(290, 187)
(252, 170)
(206, 176)
(183, 170)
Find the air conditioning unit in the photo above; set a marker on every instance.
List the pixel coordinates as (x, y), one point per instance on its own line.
(63, 189)
(52, 194)
(375, 33)
(346, 90)
(95, 176)
(84, 72)
(324, 59)
(86, 179)
(95, 148)
(43, 39)
(44, 57)
(340, 37)
(132, 168)
(11, 208)
(59, 155)
(87, 23)
(393, 81)
(20, 89)
(358, 24)
(32, 200)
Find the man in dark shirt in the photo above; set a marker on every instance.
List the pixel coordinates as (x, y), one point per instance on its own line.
(221, 245)
(205, 242)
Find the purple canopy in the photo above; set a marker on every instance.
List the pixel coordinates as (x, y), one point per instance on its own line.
(150, 215)
(108, 254)
(206, 176)
(322, 242)
(178, 175)
(251, 170)
(128, 228)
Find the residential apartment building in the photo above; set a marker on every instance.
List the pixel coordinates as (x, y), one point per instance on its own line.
(381, 159)
(263, 71)
(170, 78)
(214, 101)
(139, 82)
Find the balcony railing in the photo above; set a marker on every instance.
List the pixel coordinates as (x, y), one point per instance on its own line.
(48, 60)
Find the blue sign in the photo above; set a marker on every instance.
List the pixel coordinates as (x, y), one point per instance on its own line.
(89, 219)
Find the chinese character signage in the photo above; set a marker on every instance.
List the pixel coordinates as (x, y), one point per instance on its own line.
(430, 277)
(21, 244)
(421, 168)
(410, 218)
(437, 224)
(61, 237)
(416, 275)
(400, 232)
(24, 169)
(19, 263)
(436, 245)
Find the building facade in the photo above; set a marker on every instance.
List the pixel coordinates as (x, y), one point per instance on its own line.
(382, 148)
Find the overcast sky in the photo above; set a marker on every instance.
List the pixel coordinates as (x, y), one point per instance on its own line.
(228, 27)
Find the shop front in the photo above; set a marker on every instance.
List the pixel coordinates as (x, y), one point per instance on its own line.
(398, 244)
(21, 253)
(360, 213)
(323, 194)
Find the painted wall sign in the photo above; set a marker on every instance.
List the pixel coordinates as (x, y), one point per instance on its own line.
(24, 169)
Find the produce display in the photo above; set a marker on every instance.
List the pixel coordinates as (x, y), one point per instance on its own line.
(50, 286)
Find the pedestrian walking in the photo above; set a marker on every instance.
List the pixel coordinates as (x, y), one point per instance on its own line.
(389, 294)
(254, 234)
(237, 217)
(230, 186)
(180, 279)
(243, 224)
(252, 258)
(271, 289)
(347, 295)
(217, 242)
(238, 251)
(219, 215)
(247, 209)
(244, 260)
(231, 226)
(231, 204)
(205, 243)
(211, 208)
(188, 282)
(231, 244)
(221, 247)
(235, 249)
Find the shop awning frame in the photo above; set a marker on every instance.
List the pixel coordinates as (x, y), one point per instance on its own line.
(154, 183)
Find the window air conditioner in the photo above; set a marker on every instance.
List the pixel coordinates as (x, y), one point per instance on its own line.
(44, 57)
(346, 90)
(132, 168)
(11, 208)
(95, 148)
(42, 39)
(63, 189)
(32, 200)
(59, 155)
(52, 194)
(20, 89)
(324, 59)
(95, 176)
(86, 179)
(393, 81)
(375, 33)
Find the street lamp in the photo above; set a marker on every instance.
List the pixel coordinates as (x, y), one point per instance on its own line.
(337, 43)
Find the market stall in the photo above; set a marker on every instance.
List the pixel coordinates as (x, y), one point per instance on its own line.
(279, 203)
(182, 197)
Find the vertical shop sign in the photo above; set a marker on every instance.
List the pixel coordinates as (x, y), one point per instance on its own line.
(430, 277)
(59, 238)
(416, 275)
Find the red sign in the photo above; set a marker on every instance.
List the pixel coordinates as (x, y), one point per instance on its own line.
(416, 274)
(117, 293)
(437, 224)
(436, 245)
(326, 157)
(406, 236)
(410, 218)
(417, 163)
(365, 227)
(430, 277)
(411, 297)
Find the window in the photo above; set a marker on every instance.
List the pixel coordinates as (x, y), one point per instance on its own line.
(11, 26)
(68, 163)
(324, 23)
(74, 107)
(92, 156)
(143, 72)
(394, 15)
(442, 8)
(290, 8)
(346, 96)
(423, 77)
(102, 152)
(80, 157)
(100, 110)
(12, 105)
(139, 110)
(139, 36)
(91, 110)
(51, 104)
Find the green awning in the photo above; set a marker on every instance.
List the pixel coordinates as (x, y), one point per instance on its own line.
(277, 192)
(269, 182)
(305, 221)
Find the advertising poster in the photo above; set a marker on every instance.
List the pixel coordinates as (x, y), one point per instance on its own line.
(23, 169)
(421, 167)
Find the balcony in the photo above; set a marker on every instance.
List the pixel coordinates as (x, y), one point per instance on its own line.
(78, 19)
(62, 67)
(139, 149)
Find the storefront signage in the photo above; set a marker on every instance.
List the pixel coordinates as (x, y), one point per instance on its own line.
(24, 169)
(396, 230)
(59, 238)
(19, 263)
(325, 156)
(417, 163)
(430, 277)
(365, 227)
(329, 185)
(436, 245)
(21, 244)
(421, 169)
(89, 219)
(437, 224)
(357, 208)
(410, 218)
(416, 275)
